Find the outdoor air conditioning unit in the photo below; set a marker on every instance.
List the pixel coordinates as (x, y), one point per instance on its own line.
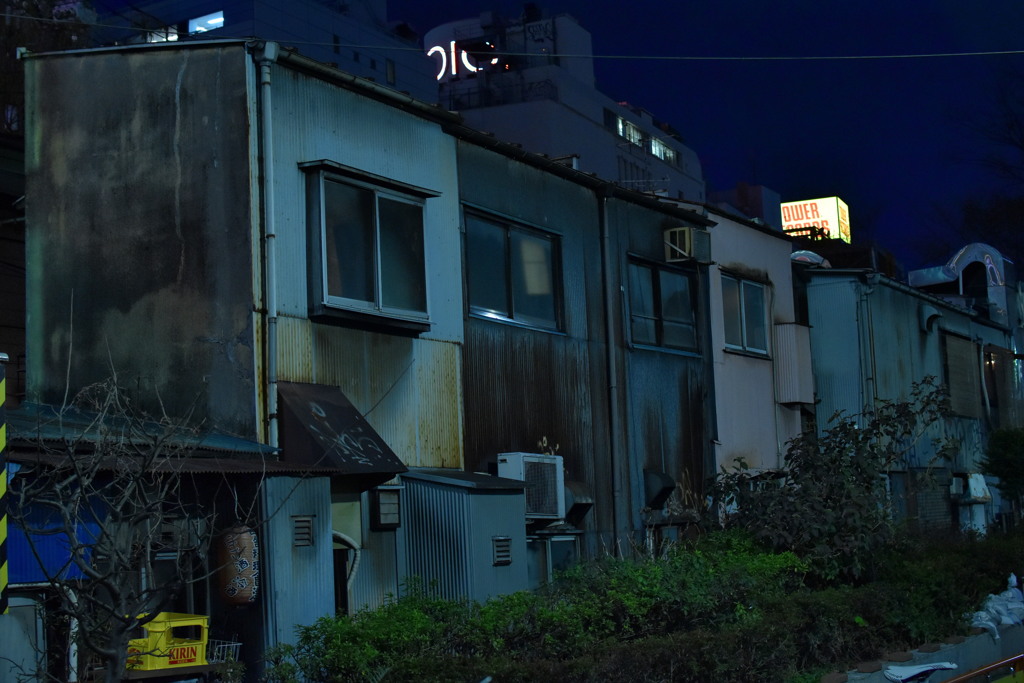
(545, 482)
(685, 244)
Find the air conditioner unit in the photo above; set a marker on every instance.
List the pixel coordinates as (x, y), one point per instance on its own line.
(545, 482)
(685, 243)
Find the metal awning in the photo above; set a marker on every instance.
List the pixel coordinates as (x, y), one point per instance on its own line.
(319, 426)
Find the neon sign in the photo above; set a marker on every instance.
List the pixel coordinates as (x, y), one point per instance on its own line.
(457, 56)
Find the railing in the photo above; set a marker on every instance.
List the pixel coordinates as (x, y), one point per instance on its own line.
(1011, 665)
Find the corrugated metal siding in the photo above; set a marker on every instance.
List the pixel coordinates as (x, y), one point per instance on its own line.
(793, 375)
(409, 389)
(435, 529)
(294, 350)
(314, 120)
(378, 576)
(835, 345)
(298, 581)
(667, 419)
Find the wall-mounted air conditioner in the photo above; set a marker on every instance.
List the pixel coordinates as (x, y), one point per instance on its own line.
(545, 482)
(686, 243)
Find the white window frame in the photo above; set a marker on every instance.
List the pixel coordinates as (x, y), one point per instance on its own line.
(324, 303)
(745, 342)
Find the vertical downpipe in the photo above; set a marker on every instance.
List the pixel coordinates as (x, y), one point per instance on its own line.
(612, 368)
(266, 58)
(867, 345)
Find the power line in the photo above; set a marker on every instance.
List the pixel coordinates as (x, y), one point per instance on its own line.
(560, 55)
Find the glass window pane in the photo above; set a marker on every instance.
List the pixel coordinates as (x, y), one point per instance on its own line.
(533, 280)
(676, 303)
(755, 324)
(486, 256)
(731, 311)
(401, 255)
(348, 241)
(678, 328)
(679, 335)
(643, 324)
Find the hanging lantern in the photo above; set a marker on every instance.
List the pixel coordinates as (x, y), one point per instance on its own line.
(238, 556)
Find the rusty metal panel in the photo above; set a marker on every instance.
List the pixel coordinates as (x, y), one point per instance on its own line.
(439, 381)
(408, 389)
(668, 419)
(294, 349)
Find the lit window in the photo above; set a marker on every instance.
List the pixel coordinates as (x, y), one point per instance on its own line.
(164, 35)
(511, 273)
(631, 132)
(663, 151)
(205, 23)
(745, 317)
(368, 247)
(661, 307)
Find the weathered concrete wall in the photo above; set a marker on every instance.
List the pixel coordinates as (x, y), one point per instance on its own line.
(139, 228)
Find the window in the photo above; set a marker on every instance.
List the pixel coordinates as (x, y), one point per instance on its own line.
(746, 326)
(207, 22)
(663, 151)
(511, 273)
(661, 307)
(630, 131)
(367, 246)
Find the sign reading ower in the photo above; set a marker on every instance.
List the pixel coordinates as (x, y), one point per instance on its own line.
(825, 218)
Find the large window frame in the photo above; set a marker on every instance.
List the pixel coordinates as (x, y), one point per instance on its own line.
(663, 307)
(367, 249)
(745, 315)
(513, 272)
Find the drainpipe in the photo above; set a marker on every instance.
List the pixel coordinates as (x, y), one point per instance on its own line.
(867, 344)
(266, 54)
(611, 367)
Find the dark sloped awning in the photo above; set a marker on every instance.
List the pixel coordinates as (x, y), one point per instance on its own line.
(319, 426)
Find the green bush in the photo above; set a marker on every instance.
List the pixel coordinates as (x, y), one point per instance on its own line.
(723, 609)
(828, 504)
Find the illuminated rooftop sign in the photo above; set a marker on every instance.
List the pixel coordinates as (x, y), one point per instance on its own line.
(825, 218)
(453, 55)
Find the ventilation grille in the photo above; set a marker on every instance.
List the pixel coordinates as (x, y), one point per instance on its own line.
(302, 531)
(542, 493)
(501, 549)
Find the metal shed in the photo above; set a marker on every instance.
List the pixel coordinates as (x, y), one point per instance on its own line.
(465, 533)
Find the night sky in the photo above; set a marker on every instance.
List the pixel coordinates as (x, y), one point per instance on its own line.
(888, 136)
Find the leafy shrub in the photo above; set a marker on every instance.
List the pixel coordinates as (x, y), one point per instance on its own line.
(723, 609)
(1004, 458)
(828, 504)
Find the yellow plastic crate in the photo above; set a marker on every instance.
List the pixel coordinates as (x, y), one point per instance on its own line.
(173, 640)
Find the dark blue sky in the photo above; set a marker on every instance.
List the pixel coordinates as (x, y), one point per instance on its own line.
(886, 135)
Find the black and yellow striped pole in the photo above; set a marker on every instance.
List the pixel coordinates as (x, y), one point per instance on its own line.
(3, 485)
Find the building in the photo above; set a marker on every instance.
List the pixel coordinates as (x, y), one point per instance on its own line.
(354, 36)
(530, 80)
(872, 337)
(764, 383)
(324, 299)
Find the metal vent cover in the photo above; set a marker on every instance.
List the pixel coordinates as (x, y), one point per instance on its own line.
(302, 531)
(501, 549)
